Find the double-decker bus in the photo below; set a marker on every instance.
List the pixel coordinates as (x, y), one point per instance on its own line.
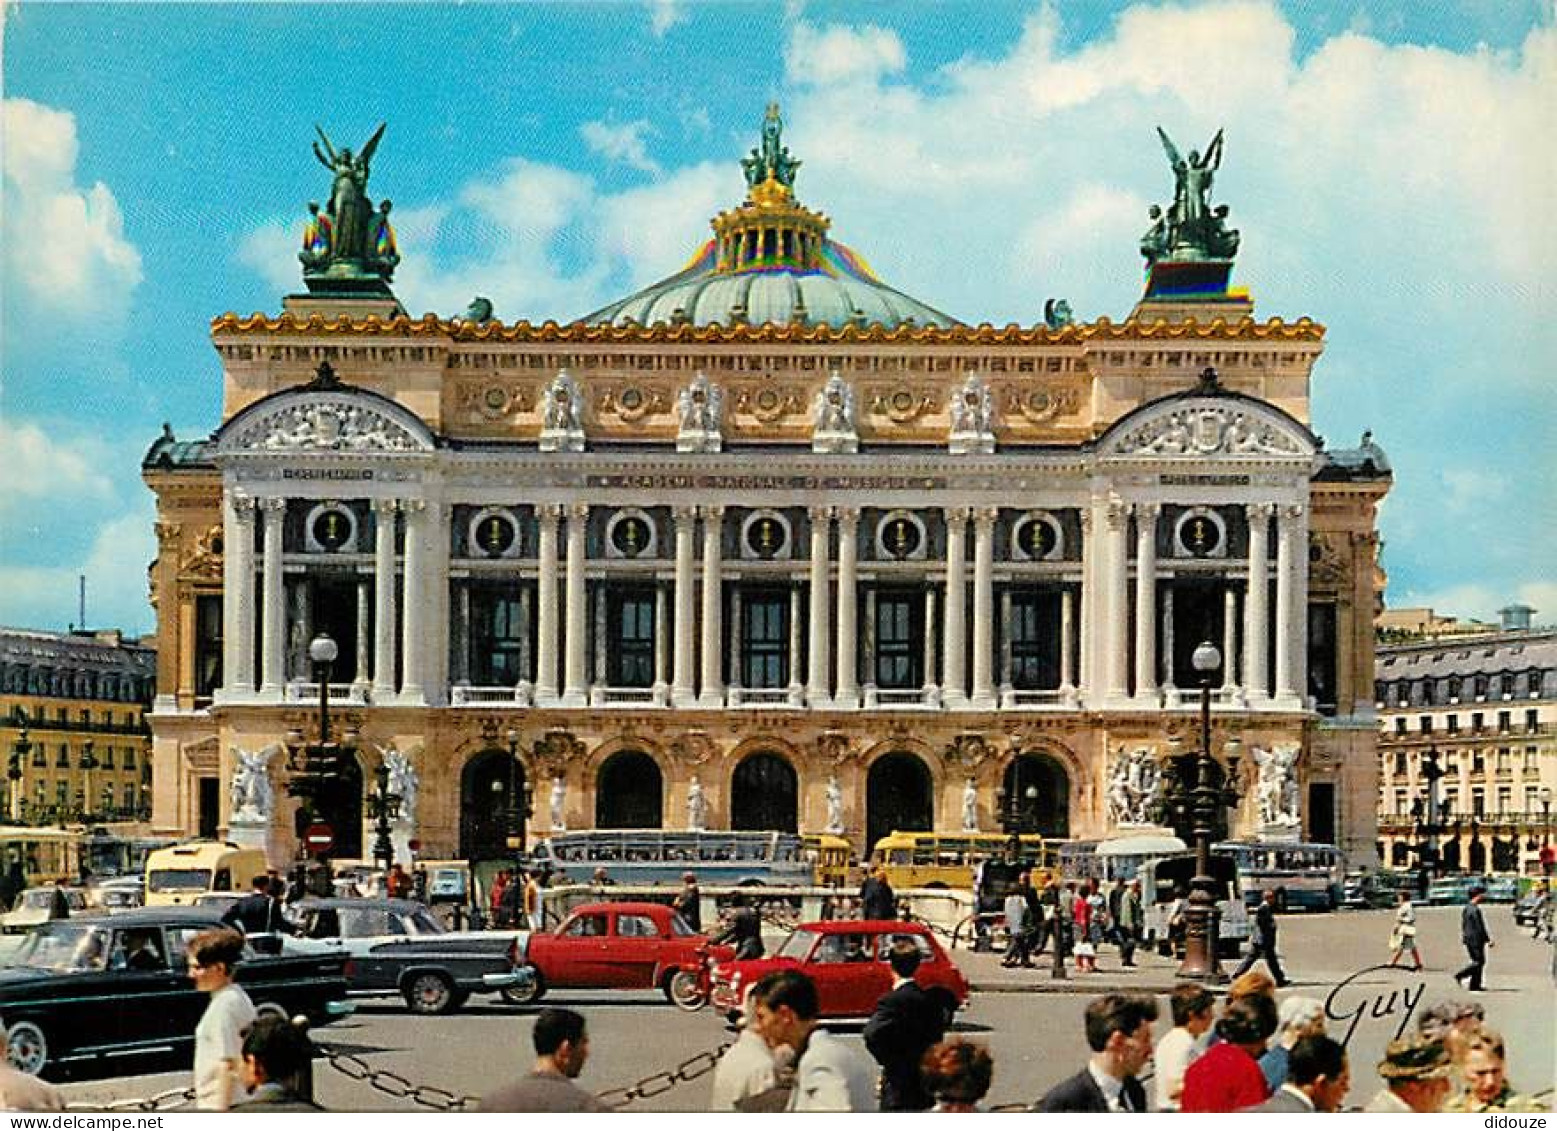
(654, 856)
(1307, 876)
(946, 860)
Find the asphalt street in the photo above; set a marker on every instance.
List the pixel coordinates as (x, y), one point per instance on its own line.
(1035, 1037)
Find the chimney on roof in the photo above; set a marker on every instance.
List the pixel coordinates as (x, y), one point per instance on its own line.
(1515, 618)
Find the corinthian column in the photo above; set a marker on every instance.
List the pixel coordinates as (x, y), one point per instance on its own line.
(1116, 606)
(384, 511)
(1145, 603)
(1291, 604)
(1089, 583)
(274, 656)
(413, 644)
(848, 694)
(575, 678)
(682, 691)
(983, 608)
(954, 684)
(238, 672)
(818, 690)
(1256, 619)
(547, 517)
(713, 608)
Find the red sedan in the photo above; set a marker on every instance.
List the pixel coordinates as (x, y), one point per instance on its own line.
(612, 946)
(848, 961)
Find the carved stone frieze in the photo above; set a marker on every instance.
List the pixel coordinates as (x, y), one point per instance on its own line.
(1206, 428)
(631, 402)
(554, 750)
(901, 403)
(769, 403)
(203, 562)
(1037, 406)
(1327, 562)
(329, 424)
(494, 400)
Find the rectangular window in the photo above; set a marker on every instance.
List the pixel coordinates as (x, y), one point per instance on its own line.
(1530, 757)
(129, 799)
(108, 758)
(496, 637)
(1478, 802)
(208, 644)
(630, 637)
(62, 794)
(1532, 800)
(1322, 664)
(765, 639)
(1505, 721)
(1505, 798)
(1400, 802)
(899, 641)
(40, 754)
(1454, 724)
(1478, 762)
(1502, 760)
(1400, 726)
(1532, 719)
(1035, 641)
(1476, 721)
(1400, 763)
(62, 762)
(1425, 724)
(1481, 687)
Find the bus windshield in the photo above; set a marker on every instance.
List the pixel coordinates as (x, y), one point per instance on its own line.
(179, 879)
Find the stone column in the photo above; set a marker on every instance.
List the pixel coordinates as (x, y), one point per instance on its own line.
(711, 692)
(384, 511)
(1067, 643)
(868, 647)
(435, 673)
(1089, 583)
(1291, 604)
(736, 629)
(1146, 603)
(818, 686)
(661, 643)
(240, 576)
(1116, 605)
(575, 677)
(364, 635)
(1229, 639)
(848, 694)
(526, 611)
(796, 608)
(413, 644)
(954, 683)
(547, 517)
(984, 608)
(1256, 620)
(932, 691)
(683, 689)
(299, 630)
(602, 676)
(274, 654)
(461, 672)
(1170, 692)
(1006, 686)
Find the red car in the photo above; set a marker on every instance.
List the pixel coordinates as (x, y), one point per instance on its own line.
(612, 946)
(848, 961)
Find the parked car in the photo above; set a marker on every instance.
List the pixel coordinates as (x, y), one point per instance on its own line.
(1375, 889)
(399, 947)
(1451, 889)
(117, 893)
(616, 946)
(848, 961)
(101, 985)
(448, 881)
(32, 908)
(1502, 889)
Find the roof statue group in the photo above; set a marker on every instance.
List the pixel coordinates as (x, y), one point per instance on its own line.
(347, 241)
(1191, 229)
(772, 161)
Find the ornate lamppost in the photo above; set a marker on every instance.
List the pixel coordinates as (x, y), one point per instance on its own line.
(315, 767)
(521, 805)
(1206, 797)
(14, 771)
(384, 807)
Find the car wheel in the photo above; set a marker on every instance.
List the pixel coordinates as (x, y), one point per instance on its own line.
(29, 1050)
(685, 991)
(525, 995)
(430, 993)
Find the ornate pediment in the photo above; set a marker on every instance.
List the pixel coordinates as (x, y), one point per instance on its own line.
(325, 416)
(1206, 427)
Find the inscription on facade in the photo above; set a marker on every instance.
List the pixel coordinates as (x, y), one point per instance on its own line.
(657, 482)
(327, 473)
(1203, 480)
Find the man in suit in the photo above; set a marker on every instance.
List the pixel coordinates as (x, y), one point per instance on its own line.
(829, 1075)
(1119, 1033)
(1129, 923)
(877, 899)
(1317, 1079)
(1263, 944)
(256, 913)
(907, 1021)
(1473, 933)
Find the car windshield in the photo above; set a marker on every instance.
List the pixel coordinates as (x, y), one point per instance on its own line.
(179, 879)
(798, 945)
(423, 922)
(63, 946)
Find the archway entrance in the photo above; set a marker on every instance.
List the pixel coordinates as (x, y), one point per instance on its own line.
(764, 795)
(487, 786)
(630, 793)
(899, 795)
(1036, 795)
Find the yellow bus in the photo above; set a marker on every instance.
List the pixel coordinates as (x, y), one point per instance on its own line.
(829, 856)
(46, 855)
(946, 860)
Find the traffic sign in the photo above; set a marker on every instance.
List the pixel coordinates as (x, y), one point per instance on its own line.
(319, 837)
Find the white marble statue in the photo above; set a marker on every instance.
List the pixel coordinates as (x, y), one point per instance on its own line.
(562, 422)
(559, 795)
(1132, 787)
(972, 417)
(970, 807)
(404, 781)
(834, 807)
(252, 797)
(697, 806)
(1276, 788)
(832, 417)
(701, 406)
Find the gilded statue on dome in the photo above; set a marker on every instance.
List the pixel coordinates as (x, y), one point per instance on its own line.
(348, 237)
(772, 160)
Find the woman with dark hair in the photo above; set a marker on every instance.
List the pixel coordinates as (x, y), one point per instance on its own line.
(957, 1074)
(277, 1063)
(1228, 1077)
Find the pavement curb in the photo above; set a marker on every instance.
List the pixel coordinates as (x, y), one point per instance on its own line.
(1070, 986)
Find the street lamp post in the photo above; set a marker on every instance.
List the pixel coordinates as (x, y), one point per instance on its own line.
(316, 766)
(1546, 830)
(19, 751)
(521, 801)
(1200, 961)
(384, 806)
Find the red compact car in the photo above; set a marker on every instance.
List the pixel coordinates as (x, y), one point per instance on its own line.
(613, 946)
(848, 961)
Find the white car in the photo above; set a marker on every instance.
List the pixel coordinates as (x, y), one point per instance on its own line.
(32, 908)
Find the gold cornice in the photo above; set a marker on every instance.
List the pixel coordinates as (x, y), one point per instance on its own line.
(1101, 331)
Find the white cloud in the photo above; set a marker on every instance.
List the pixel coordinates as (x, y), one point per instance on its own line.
(39, 467)
(664, 15)
(836, 56)
(85, 265)
(625, 143)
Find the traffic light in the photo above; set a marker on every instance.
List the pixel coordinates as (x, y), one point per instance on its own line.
(320, 766)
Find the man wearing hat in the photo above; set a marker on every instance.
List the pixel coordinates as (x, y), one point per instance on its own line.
(1416, 1077)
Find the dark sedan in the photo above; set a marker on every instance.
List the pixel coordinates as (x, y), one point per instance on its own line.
(88, 987)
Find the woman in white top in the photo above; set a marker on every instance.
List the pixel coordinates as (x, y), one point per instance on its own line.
(1403, 937)
(1194, 1010)
(219, 1037)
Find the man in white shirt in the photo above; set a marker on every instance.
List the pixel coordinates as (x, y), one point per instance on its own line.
(748, 1069)
(213, 955)
(829, 1075)
(1194, 1011)
(1317, 1079)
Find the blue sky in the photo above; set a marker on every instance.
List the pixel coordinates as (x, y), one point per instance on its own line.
(1389, 165)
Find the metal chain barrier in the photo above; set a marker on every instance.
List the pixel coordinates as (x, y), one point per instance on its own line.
(353, 1067)
(162, 1101)
(662, 1082)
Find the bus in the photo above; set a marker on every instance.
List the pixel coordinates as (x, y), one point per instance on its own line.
(1120, 858)
(1307, 876)
(1165, 878)
(830, 858)
(946, 860)
(654, 856)
(46, 855)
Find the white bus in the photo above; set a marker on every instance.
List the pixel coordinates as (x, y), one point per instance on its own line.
(1307, 876)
